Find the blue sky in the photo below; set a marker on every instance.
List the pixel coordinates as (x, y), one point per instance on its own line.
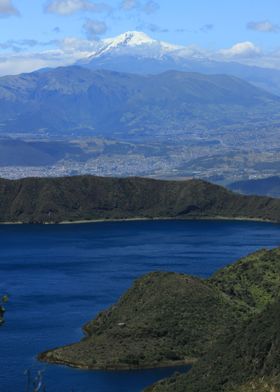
(41, 26)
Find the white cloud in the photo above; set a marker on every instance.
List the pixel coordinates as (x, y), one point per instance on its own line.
(7, 8)
(32, 55)
(94, 28)
(68, 51)
(241, 50)
(78, 48)
(128, 5)
(148, 7)
(263, 27)
(69, 7)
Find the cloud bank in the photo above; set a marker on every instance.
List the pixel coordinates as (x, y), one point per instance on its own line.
(7, 8)
(69, 7)
(241, 50)
(94, 28)
(148, 7)
(263, 27)
(28, 55)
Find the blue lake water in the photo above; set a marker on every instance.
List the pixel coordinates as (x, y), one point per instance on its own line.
(60, 276)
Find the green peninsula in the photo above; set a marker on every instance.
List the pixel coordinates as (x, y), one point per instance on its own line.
(171, 319)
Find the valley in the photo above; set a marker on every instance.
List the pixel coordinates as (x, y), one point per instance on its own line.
(214, 157)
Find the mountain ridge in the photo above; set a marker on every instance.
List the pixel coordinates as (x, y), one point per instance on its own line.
(153, 56)
(85, 198)
(269, 186)
(106, 103)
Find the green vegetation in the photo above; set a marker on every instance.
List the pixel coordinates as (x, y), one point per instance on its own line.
(50, 200)
(254, 280)
(247, 359)
(164, 319)
(171, 319)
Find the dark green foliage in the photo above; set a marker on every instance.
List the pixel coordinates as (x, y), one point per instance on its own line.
(40, 200)
(248, 359)
(164, 318)
(254, 280)
(168, 318)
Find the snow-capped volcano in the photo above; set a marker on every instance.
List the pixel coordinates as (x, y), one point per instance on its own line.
(132, 43)
(136, 52)
(134, 38)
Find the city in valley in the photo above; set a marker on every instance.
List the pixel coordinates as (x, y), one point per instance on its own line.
(217, 156)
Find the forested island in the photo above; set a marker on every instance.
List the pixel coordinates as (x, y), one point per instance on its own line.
(88, 198)
(168, 319)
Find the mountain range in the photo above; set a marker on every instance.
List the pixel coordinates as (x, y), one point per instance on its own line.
(219, 122)
(77, 101)
(136, 52)
(264, 186)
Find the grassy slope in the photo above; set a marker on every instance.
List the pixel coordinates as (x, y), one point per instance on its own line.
(167, 318)
(248, 358)
(156, 322)
(244, 361)
(38, 200)
(254, 279)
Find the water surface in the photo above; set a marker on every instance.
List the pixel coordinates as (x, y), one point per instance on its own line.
(60, 276)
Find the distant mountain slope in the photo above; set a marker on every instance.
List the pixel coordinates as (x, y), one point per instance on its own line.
(36, 153)
(136, 52)
(264, 187)
(75, 100)
(84, 198)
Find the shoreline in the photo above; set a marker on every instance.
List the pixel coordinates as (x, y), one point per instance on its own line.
(122, 368)
(139, 219)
